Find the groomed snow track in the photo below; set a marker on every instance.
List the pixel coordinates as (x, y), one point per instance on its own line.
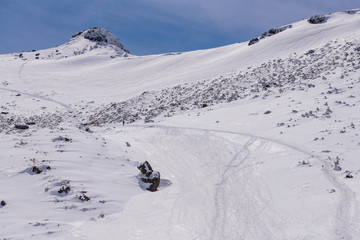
(229, 185)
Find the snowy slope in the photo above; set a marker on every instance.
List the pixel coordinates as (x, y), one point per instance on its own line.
(121, 78)
(252, 142)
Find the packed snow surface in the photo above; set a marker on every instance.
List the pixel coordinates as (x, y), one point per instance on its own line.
(252, 141)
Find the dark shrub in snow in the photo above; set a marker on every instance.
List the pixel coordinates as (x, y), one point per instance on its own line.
(317, 19)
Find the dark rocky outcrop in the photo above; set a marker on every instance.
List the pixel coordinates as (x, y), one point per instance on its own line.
(274, 31)
(269, 33)
(317, 19)
(37, 169)
(148, 179)
(145, 168)
(101, 36)
(253, 41)
(62, 139)
(83, 197)
(349, 175)
(64, 189)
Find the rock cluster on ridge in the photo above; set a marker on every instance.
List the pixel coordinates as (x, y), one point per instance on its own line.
(101, 36)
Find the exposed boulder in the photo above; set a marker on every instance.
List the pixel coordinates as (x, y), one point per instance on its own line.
(64, 189)
(148, 179)
(62, 139)
(337, 166)
(349, 175)
(3, 203)
(21, 126)
(83, 197)
(145, 168)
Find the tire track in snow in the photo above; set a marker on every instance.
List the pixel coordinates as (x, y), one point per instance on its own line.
(37, 96)
(347, 210)
(220, 217)
(20, 73)
(21, 68)
(67, 107)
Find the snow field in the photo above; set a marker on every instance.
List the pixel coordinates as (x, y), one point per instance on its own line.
(257, 162)
(222, 184)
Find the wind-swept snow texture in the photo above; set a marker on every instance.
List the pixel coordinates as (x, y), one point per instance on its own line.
(252, 142)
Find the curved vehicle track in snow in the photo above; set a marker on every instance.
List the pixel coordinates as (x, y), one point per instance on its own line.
(228, 185)
(37, 96)
(347, 209)
(20, 73)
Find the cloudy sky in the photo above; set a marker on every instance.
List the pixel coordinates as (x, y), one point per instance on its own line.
(152, 26)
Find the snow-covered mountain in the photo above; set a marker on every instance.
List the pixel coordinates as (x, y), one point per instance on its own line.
(255, 140)
(92, 41)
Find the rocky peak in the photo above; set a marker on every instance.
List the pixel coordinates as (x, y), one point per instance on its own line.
(101, 36)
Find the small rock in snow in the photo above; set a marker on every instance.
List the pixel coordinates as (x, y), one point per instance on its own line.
(21, 126)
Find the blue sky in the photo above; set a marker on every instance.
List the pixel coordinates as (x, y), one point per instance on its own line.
(152, 26)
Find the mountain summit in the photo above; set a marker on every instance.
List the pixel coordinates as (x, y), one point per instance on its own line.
(100, 36)
(94, 41)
